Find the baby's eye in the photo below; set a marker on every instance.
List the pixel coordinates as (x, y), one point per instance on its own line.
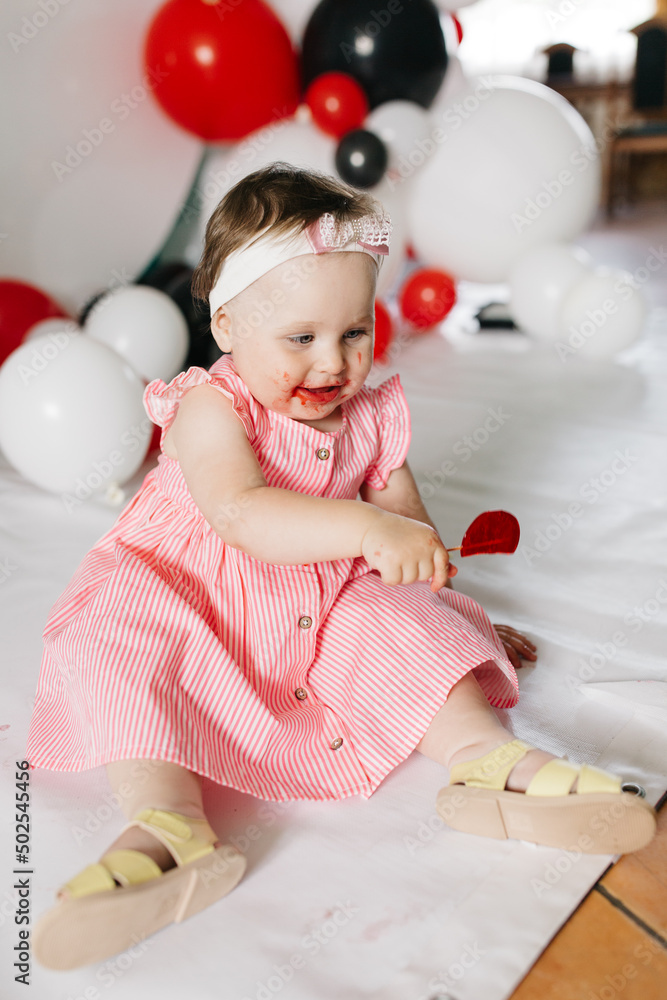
(305, 338)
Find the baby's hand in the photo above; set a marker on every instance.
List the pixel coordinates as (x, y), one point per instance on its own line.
(403, 550)
(515, 644)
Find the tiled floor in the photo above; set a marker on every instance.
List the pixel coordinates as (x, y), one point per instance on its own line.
(616, 941)
(599, 953)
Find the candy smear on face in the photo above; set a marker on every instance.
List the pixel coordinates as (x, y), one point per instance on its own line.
(493, 531)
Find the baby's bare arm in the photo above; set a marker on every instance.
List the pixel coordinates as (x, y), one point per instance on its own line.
(226, 482)
(401, 496)
(281, 526)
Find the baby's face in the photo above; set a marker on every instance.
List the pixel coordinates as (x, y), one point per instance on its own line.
(305, 324)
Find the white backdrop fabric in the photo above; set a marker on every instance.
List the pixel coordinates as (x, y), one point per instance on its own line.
(378, 898)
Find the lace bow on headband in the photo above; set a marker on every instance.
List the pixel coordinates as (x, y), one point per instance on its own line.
(370, 232)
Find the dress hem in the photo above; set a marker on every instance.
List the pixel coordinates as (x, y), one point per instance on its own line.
(402, 753)
(78, 766)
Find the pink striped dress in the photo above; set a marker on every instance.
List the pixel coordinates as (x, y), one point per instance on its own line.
(286, 682)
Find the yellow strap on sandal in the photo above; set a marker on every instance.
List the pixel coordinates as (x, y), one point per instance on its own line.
(185, 838)
(491, 770)
(94, 878)
(557, 777)
(131, 867)
(594, 779)
(126, 866)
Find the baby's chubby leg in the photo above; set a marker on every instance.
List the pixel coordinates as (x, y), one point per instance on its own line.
(466, 727)
(155, 784)
(464, 734)
(129, 894)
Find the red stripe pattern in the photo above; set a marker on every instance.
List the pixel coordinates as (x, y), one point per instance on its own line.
(286, 682)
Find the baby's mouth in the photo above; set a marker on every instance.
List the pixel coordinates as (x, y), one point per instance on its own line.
(321, 395)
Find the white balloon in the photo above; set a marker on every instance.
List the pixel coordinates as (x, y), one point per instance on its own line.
(514, 166)
(96, 170)
(295, 15)
(392, 198)
(402, 126)
(46, 326)
(538, 283)
(72, 418)
(144, 326)
(456, 82)
(603, 313)
(295, 140)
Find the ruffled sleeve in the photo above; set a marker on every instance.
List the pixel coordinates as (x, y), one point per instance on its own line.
(394, 431)
(161, 401)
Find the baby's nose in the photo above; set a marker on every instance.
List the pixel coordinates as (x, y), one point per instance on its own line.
(331, 360)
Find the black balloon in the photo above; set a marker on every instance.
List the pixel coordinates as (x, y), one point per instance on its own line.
(164, 276)
(395, 50)
(361, 158)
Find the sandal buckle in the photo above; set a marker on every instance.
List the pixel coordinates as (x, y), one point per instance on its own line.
(634, 786)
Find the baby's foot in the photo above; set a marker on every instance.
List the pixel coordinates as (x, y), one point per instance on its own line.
(523, 771)
(137, 839)
(482, 798)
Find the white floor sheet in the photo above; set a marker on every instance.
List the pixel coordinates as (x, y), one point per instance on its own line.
(379, 899)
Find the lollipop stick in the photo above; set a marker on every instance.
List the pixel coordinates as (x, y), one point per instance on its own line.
(454, 548)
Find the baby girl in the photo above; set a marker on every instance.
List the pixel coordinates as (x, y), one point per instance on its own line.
(273, 609)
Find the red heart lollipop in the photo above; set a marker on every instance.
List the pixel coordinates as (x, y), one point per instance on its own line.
(493, 531)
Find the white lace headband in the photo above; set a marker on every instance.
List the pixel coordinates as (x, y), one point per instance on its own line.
(369, 234)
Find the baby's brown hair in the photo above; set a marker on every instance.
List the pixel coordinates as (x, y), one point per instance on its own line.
(279, 194)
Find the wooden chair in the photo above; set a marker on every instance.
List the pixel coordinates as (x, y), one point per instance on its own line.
(647, 134)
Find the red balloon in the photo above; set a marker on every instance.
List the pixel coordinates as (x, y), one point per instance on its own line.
(221, 69)
(338, 103)
(426, 297)
(21, 306)
(383, 331)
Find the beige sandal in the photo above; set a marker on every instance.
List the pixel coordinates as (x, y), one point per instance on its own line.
(93, 924)
(601, 817)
